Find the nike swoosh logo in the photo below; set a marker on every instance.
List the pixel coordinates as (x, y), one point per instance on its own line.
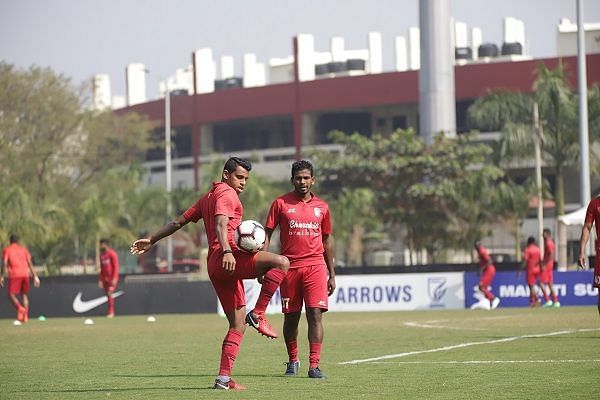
(81, 306)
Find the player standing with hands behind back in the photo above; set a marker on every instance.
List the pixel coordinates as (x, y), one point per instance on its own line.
(109, 274)
(305, 228)
(591, 216)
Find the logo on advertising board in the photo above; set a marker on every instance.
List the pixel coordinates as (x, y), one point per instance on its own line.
(436, 288)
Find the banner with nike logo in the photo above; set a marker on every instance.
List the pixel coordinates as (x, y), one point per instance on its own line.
(81, 296)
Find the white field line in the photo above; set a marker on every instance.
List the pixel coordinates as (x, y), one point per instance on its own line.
(488, 362)
(468, 344)
(430, 325)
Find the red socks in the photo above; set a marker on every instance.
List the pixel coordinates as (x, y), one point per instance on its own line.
(229, 351)
(487, 293)
(271, 282)
(315, 354)
(292, 349)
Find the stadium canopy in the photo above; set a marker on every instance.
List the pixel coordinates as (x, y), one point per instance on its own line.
(575, 218)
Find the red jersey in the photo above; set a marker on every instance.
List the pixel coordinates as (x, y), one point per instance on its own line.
(593, 216)
(17, 258)
(221, 200)
(302, 225)
(549, 253)
(109, 265)
(484, 257)
(532, 257)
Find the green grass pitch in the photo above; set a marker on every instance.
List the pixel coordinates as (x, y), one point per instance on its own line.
(503, 354)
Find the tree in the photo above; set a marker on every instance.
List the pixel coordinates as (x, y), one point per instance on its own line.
(511, 112)
(419, 189)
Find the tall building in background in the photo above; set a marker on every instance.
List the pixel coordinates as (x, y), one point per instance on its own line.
(135, 77)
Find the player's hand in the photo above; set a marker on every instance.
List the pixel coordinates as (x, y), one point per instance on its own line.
(229, 263)
(100, 285)
(581, 263)
(36, 281)
(1, 281)
(140, 246)
(330, 286)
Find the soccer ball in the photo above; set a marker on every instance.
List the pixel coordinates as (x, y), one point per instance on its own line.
(250, 236)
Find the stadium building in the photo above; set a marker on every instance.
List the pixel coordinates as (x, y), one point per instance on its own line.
(277, 110)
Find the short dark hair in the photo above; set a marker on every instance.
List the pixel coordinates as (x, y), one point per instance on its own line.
(477, 243)
(546, 230)
(301, 165)
(104, 240)
(13, 238)
(233, 162)
(530, 240)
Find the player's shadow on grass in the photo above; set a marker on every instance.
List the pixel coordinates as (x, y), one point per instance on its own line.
(198, 376)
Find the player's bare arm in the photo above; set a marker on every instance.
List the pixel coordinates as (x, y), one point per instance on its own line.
(36, 280)
(141, 246)
(585, 236)
(3, 272)
(328, 254)
(222, 237)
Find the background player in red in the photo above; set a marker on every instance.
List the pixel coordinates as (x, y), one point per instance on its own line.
(487, 271)
(305, 227)
(17, 260)
(547, 274)
(532, 261)
(109, 274)
(592, 216)
(228, 265)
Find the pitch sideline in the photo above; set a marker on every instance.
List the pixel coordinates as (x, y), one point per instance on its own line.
(468, 344)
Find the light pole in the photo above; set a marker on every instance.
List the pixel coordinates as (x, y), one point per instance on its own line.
(168, 170)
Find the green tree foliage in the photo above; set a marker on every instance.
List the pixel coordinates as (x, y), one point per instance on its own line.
(435, 194)
(511, 113)
(69, 172)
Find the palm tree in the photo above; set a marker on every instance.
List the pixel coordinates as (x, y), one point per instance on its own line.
(511, 113)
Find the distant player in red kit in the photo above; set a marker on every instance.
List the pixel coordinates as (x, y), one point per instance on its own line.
(547, 274)
(592, 216)
(228, 265)
(17, 260)
(109, 274)
(532, 261)
(305, 228)
(487, 271)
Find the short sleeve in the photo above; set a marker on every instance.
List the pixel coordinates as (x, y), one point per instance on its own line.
(590, 215)
(273, 216)
(326, 227)
(194, 213)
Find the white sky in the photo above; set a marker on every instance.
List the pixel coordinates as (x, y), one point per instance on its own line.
(82, 37)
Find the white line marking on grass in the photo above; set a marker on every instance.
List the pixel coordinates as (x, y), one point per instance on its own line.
(429, 325)
(488, 362)
(468, 344)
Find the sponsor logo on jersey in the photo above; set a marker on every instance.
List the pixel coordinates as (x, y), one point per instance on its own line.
(317, 212)
(304, 225)
(291, 210)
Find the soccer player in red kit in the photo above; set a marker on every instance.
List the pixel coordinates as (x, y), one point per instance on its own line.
(305, 228)
(109, 274)
(592, 216)
(17, 260)
(547, 273)
(487, 271)
(532, 261)
(228, 265)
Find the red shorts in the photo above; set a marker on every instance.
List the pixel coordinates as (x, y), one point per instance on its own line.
(230, 287)
(532, 276)
(547, 275)
(18, 285)
(488, 276)
(306, 285)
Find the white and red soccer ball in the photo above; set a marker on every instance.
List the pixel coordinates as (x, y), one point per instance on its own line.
(250, 236)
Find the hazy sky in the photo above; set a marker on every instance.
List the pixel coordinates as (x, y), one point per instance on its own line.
(82, 37)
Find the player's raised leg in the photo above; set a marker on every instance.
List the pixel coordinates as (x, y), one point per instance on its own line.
(272, 268)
